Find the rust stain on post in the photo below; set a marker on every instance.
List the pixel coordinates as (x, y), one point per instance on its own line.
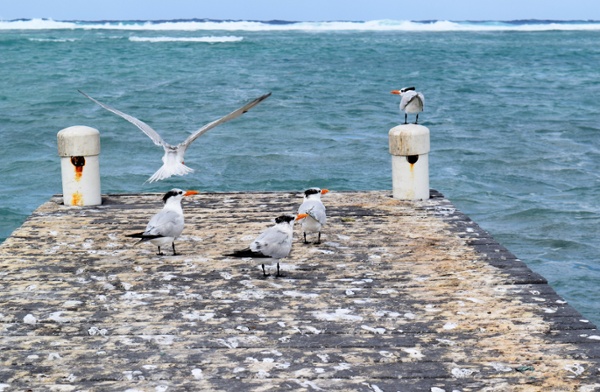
(77, 199)
(78, 163)
(399, 296)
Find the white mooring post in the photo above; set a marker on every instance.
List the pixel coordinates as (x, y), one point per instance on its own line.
(79, 150)
(409, 146)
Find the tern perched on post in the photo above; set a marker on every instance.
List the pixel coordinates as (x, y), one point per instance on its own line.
(275, 243)
(314, 208)
(173, 163)
(411, 102)
(164, 227)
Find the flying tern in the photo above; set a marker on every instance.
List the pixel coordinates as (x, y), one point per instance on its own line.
(173, 163)
(314, 208)
(275, 243)
(411, 102)
(165, 226)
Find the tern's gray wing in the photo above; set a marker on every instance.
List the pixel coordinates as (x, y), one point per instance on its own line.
(152, 134)
(273, 242)
(166, 223)
(415, 96)
(407, 97)
(422, 98)
(226, 118)
(315, 209)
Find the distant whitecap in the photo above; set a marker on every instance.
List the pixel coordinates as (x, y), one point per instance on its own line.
(208, 39)
(244, 25)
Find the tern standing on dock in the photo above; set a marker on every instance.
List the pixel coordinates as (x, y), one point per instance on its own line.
(164, 227)
(173, 163)
(411, 102)
(314, 208)
(275, 243)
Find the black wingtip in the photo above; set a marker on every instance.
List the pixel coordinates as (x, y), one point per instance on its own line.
(144, 237)
(263, 97)
(246, 253)
(256, 102)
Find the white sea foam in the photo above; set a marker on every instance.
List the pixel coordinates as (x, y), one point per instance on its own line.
(209, 39)
(372, 25)
(36, 24)
(52, 39)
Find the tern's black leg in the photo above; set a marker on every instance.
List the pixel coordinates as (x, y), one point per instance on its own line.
(279, 274)
(405, 118)
(159, 252)
(318, 238)
(264, 272)
(305, 241)
(417, 120)
(174, 253)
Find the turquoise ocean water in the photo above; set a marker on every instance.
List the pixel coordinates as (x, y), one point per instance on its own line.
(513, 109)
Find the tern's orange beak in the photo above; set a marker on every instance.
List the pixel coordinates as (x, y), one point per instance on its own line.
(189, 193)
(397, 92)
(301, 216)
(324, 191)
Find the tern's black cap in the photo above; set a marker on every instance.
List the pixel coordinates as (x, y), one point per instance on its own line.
(172, 193)
(312, 191)
(284, 218)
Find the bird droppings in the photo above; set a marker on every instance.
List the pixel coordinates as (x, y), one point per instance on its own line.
(398, 296)
(374, 330)
(575, 368)
(196, 316)
(501, 367)
(337, 315)
(463, 373)
(197, 373)
(97, 331)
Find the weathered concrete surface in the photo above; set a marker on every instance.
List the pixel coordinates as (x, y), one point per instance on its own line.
(408, 296)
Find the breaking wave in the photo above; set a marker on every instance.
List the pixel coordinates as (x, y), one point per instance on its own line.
(275, 25)
(210, 39)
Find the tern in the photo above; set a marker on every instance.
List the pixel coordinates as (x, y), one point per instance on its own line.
(411, 102)
(314, 208)
(275, 243)
(165, 226)
(173, 163)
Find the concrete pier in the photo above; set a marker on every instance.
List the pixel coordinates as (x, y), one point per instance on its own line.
(400, 296)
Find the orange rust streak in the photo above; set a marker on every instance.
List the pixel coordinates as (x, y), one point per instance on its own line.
(78, 172)
(77, 199)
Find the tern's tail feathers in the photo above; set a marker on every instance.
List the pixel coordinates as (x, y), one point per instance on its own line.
(169, 169)
(143, 237)
(247, 253)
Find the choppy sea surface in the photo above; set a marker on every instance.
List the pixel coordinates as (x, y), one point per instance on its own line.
(513, 109)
